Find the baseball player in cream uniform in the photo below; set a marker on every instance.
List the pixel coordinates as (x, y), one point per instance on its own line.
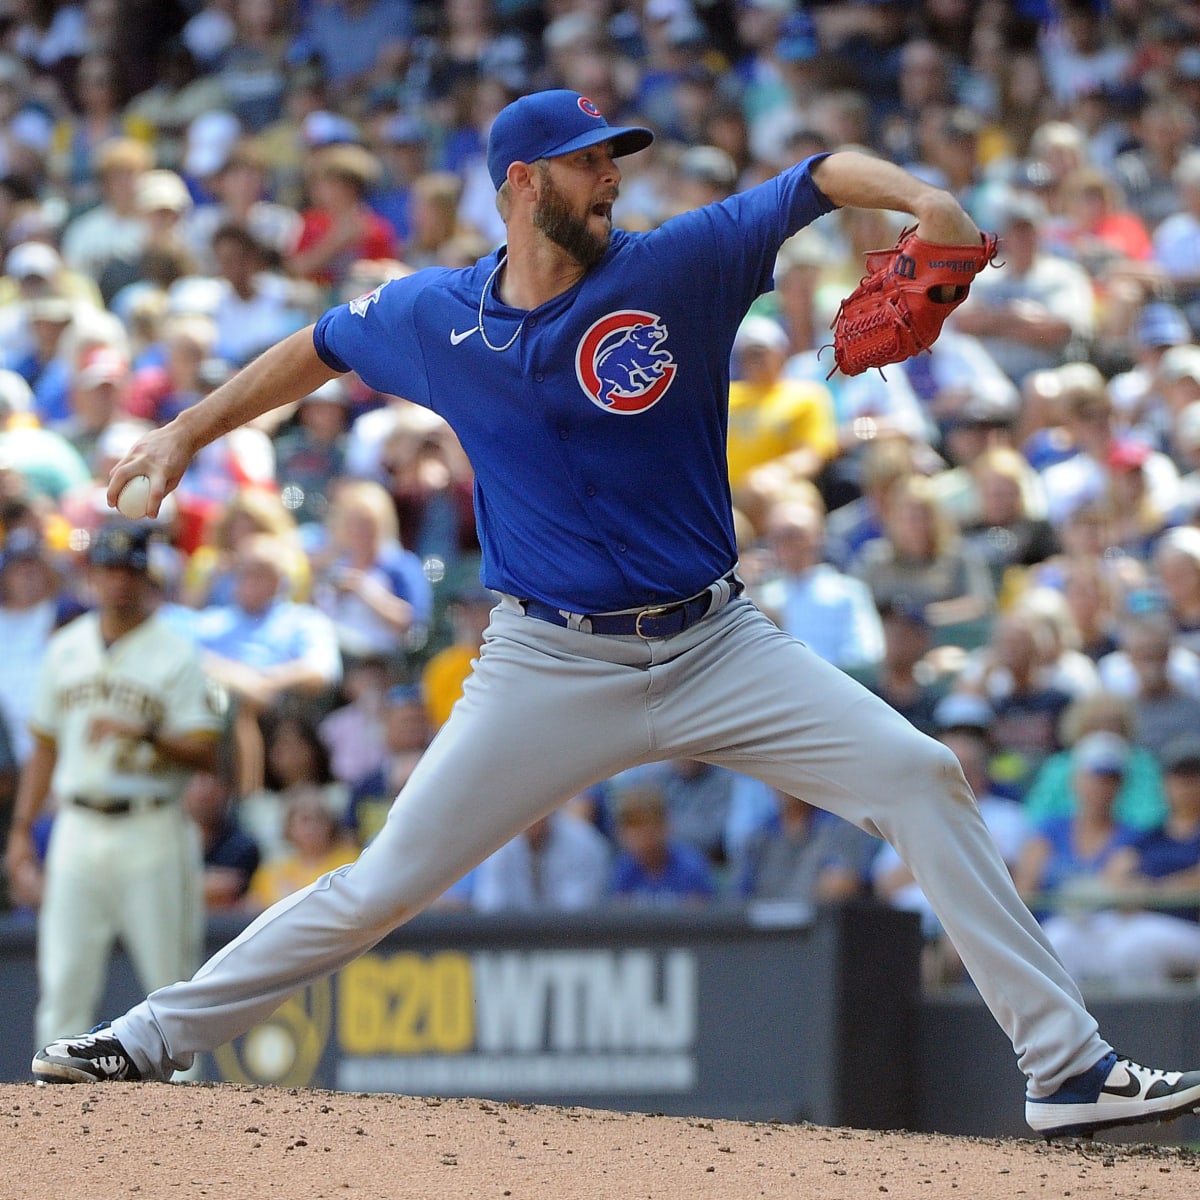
(122, 713)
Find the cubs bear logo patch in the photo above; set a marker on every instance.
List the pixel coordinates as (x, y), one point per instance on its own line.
(622, 364)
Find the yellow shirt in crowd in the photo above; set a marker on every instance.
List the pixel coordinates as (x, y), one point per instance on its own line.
(443, 678)
(766, 422)
(274, 880)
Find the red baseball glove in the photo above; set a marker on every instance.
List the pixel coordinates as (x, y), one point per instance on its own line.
(905, 296)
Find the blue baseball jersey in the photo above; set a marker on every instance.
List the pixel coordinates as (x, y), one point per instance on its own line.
(597, 434)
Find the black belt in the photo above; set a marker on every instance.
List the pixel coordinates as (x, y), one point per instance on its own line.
(119, 806)
(659, 620)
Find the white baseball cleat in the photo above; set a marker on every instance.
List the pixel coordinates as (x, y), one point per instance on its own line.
(1116, 1091)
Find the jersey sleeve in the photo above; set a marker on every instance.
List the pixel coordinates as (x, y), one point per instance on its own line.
(45, 711)
(728, 250)
(375, 336)
(194, 703)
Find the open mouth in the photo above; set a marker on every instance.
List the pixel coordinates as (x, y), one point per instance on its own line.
(603, 207)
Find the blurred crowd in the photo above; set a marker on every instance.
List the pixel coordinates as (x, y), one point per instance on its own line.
(1001, 538)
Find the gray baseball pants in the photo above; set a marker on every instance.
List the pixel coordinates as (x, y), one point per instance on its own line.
(547, 713)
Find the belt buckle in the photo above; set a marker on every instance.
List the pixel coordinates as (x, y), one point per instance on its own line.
(659, 610)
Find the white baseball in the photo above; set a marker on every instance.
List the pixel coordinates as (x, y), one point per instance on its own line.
(134, 499)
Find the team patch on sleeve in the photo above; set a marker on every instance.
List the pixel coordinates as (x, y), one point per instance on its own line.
(360, 304)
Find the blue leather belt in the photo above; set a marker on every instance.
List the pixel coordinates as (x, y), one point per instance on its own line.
(656, 621)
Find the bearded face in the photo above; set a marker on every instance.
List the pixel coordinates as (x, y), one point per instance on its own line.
(554, 218)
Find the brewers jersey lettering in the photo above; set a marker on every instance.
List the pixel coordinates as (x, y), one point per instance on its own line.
(150, 675)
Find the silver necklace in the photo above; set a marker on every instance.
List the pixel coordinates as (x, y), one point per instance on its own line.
(487, 287)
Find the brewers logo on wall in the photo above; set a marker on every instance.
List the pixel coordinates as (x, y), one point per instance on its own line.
(622, 363)
(537, 1022)
(285, 1049)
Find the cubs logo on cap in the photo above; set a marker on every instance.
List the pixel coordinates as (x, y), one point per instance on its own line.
(547, 124)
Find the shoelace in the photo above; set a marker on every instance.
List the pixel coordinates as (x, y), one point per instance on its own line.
(1150, 1074)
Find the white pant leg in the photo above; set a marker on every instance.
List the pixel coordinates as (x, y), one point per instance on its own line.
(1153, 947)
(161, 900)
(1085, 944)
(76, 925)
(757, 701)
(549, 711)
(537, 723)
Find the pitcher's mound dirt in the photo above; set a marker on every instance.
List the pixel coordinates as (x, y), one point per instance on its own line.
(153, 1141)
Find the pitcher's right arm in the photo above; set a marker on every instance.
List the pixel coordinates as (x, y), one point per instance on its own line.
(288, 371)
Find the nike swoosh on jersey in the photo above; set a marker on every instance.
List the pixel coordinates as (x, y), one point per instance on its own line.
(456, 337)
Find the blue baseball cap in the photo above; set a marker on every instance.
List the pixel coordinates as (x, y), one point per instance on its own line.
(403, 693)
(547, 124)
(798, 39)
(121, 543)
(21, 545)
(1162, 324)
